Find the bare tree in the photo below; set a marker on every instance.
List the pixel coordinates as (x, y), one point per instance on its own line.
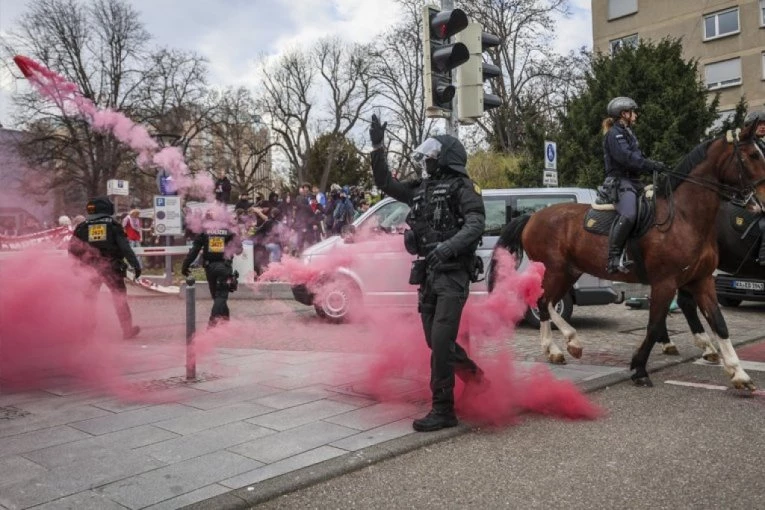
(398, 76)
(535, 81)
(238, 143)
(173, 96)
(103, 48)
(307, 93)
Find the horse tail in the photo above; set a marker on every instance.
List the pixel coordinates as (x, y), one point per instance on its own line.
(510, 240)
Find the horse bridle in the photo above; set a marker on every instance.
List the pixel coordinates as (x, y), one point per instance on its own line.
(740, 196)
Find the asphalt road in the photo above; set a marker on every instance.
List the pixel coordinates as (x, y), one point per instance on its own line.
(664, 447)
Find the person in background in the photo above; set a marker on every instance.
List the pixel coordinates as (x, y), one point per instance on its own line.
(222, 188)
(321, 198)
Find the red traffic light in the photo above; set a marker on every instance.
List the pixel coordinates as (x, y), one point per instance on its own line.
(445, 24)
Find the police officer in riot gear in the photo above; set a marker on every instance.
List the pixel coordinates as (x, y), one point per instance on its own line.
(624, 163)
(218, 244)
(100, 242)
(757, 118)
(446, 223)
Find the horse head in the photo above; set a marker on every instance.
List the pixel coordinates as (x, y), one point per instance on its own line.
(743, 168)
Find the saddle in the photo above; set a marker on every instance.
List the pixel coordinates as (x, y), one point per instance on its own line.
(600, 217)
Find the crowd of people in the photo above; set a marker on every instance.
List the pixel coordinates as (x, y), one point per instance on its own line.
(292, 222)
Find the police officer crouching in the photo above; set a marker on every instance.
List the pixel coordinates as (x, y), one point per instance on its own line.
(218, 246)
(446, 221)
(100, 242)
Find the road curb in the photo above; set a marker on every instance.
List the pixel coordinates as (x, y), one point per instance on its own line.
(272, 488)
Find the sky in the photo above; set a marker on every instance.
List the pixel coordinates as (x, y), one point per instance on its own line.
(234, 34)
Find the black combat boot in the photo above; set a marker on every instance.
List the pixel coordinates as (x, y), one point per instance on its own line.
(435, 420)
(620, 231)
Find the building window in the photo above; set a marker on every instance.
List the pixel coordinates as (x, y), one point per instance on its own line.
(763, 65)
(618, 44)
(726, 73)
(720, 24)
(619, 8)
(762, 13)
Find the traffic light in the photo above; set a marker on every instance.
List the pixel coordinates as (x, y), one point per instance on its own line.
(440, 57)
(472, 101)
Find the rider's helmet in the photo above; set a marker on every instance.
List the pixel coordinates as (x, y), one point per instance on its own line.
(754, 117)
(620, 104)
(445, 150)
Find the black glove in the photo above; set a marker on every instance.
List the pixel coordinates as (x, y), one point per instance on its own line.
(377, 132)
(655, 166)
(137, 272)
(185, 271)
(438, 255)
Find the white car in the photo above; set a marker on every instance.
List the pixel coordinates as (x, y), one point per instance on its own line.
(381, 276)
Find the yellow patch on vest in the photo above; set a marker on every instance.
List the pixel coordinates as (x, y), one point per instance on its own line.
(477, 188)
(96, 233)
(739, 221)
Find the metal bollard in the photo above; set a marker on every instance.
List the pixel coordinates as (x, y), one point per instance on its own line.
(191, 326)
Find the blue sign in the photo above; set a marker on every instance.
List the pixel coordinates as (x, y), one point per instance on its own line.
(160, 202)
(551, 156)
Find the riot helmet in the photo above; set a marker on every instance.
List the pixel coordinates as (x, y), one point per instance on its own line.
(101, 206)
(440, 153)
(620, 104)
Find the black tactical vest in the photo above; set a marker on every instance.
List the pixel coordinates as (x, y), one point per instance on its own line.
(435, 215)
(99, 233)
(213, 250)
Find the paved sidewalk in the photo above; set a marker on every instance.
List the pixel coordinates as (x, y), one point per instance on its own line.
(277, 412)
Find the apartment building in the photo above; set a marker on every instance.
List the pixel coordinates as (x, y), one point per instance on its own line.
(727, 37)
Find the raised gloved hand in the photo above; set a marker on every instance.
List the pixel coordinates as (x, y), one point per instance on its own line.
(185, 271)
(438, 255)
(377, 132)
(137, 272)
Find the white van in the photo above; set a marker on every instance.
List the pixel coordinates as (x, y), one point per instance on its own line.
(342, 290)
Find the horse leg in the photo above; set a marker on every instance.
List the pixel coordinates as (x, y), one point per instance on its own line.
(706, 298)
(661, 297)
(688, 305)
(668, 347)
(573, 345)
(549, 349)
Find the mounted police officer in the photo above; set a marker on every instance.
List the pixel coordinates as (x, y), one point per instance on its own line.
(446, 223)
(757, 118)
(100, 242)
(218, 244)
(624, 163)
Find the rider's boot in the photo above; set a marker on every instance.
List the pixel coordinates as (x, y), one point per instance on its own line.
(620, 231)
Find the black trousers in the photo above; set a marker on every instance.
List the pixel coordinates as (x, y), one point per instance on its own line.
(218, 274)
(441, 299)
(114, 279)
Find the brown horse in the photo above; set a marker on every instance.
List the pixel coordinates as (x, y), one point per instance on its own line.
(679, 249)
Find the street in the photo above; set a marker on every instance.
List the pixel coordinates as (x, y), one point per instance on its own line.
(665, 447)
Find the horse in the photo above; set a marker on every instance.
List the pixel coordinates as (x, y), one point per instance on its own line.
(675, 247)
(738, 240)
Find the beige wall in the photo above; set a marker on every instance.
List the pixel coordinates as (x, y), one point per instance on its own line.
(656, 19)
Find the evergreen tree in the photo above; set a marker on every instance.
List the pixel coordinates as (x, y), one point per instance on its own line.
(674, 114)
(341, 156)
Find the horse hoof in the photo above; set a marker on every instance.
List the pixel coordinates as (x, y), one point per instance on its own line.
(557, 359)
(670, 350)
(712, 357)
(574, 351)
(744, 385)
(643, 382)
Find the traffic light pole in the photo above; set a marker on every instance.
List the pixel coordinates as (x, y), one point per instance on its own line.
(452, 120)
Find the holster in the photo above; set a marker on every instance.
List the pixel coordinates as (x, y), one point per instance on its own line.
(417, 273)
(233, 281)
(477, 270)
(608, 193)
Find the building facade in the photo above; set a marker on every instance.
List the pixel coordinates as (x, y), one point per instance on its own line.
(727, 37)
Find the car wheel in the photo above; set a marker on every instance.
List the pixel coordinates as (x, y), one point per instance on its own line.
(730, 302)
(337, 299)
(564, 307)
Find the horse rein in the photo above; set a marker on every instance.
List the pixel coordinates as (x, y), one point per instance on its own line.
(740, 196)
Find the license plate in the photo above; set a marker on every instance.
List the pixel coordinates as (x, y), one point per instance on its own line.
(737, 284)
